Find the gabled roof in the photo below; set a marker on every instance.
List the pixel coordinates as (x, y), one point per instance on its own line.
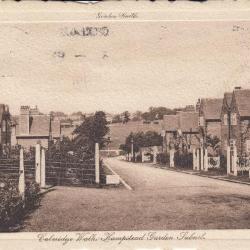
(170, 122)
(242, 99)
(211, 108)
(40, 125)
(185, 121)
(189, 121)
(55, 128)
(228, 98)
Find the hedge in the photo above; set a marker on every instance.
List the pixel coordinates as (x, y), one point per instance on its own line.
(12, 207)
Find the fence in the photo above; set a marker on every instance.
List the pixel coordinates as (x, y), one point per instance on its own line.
(65, 173)
(50, 172)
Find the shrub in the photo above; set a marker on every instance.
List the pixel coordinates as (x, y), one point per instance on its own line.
(223, 162)
(183, 160)
(12, 207)
(162, 158)
(11, 204)
(138, 158)
(32, 197)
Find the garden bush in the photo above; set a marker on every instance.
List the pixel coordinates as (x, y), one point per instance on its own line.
(183, 160)
(162, 158)
(138, 158)
(12, 206)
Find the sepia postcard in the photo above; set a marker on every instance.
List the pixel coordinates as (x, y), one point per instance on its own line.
(125, 125)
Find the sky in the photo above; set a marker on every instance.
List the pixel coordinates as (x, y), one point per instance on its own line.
(138, 65)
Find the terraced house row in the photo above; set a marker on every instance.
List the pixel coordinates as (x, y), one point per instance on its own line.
(215, 124)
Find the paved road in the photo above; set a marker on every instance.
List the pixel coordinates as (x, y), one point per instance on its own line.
(160, 199)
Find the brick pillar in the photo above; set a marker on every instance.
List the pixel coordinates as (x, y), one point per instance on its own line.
(21, 181)
(38, 164)
(228, 160)
(97, 164)
(43, 173)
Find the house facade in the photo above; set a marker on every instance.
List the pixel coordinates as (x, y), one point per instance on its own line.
(34, 127)
(240, 121)
(225, 122)
(210, 118)
(181, 131)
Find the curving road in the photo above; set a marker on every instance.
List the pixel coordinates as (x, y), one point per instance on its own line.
(159, 200)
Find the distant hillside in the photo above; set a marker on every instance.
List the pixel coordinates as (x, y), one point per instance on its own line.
(119, 132)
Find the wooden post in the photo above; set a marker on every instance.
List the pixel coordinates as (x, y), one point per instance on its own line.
(198, 159)
(206, 160)
(155, 155)
(38, 163)
(171, 158)
(43, 170)
(202, 158)
(228, 160)
(97, 164)
(142, 156)
(21, 181)
(235, 161)
(194, 159)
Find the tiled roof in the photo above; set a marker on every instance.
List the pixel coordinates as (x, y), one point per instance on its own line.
(242, 98)
(170, 122)
(211, 108)
(189, 121)
(55, 128)
(185, 121)
(40, 125)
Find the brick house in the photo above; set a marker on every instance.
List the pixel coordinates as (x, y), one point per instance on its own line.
(5, 127)
(34, 127)
(182, 130)
(210, 117)
(225, 121)
(240, 120)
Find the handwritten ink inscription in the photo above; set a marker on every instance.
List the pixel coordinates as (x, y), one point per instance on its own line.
(121, 15)
(87, 31)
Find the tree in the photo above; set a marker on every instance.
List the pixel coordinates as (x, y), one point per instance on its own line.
(117, 118)
(91, 131)
(126, 117)
(137, 116)
(141, 139)
(157, 113)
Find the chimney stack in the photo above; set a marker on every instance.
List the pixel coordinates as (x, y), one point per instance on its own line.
(24, 123)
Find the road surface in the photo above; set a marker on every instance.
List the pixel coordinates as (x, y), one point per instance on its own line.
(159, 200)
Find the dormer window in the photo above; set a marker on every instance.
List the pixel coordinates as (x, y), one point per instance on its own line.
(233, 119)
(225, 119)
(201, 121)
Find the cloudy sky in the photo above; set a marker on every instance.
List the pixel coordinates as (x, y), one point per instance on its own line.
(139, 64)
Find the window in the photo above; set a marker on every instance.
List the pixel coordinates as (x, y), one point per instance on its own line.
(248, 146)
(225, 118)
(201, 121)
(233, 119)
